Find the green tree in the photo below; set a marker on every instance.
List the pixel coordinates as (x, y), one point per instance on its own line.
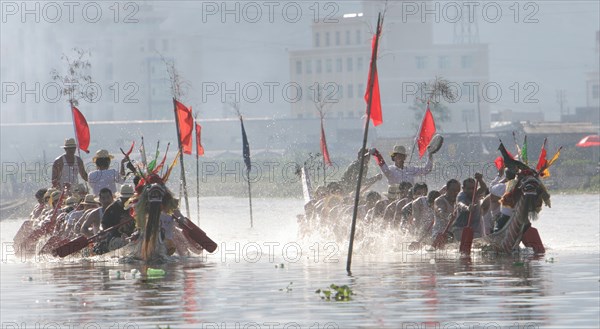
(76, 82)
(433, 92)
(440, 113)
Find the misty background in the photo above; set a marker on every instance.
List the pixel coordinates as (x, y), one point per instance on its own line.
(551, 44)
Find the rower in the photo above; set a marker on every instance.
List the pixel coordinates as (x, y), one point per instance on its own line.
(37, 210)
(67, 168)
(465, 207)
(444, 205)
(77, 217)
(94, 218)
(103, 176)
(498, 191)
(350, 175)
(398, 172)
(115, 214)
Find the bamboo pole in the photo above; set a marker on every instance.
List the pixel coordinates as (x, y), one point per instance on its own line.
(364, 146)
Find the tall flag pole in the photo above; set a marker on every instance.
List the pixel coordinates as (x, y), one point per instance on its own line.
(246, 155)
(373, 100)
(325, 152)
(199, 152)
(184, 123)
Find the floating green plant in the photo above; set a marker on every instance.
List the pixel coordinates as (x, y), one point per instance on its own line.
(336, 293)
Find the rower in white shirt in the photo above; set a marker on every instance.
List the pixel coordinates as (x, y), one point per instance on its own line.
(397, 172)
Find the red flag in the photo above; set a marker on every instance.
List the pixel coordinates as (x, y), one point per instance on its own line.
(324, 150)
(376, 115)
(427, 131)
(81, 129)
(199, 148)
(186, 126)
(542, 164)
(499, 162)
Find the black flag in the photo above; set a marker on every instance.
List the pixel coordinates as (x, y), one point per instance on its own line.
(245, 146)
(509, 162)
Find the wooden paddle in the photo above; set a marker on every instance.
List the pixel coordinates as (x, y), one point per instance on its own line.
(466, 239)
(82, 241)
(196, 233)
(441, 238)
(531, 238)
(46, 227)
(417, 244)
(52, 243)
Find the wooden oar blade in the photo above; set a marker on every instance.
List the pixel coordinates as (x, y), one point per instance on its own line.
(72, 247)
(197, 235)
(466, 240)
(440, 241)
(531, 238)
(52, 243)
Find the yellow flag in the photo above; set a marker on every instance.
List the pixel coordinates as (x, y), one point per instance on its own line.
(544, 172)
(554, 158)
(168, 173)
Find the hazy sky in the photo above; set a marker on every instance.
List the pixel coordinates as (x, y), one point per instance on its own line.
(550, 44)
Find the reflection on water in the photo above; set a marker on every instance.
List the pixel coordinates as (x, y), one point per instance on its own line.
(393, 288)
(507, 292)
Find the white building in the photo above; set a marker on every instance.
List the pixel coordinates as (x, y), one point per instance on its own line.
(340, 55)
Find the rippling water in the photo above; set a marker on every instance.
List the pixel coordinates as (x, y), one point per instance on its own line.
(266, 277)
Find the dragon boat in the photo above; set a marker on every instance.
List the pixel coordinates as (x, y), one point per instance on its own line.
(160, 229)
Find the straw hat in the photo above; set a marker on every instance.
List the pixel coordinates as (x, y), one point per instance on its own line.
(89, 200)
(126, 191)
(71, 201)
(70, 143)
(102, 154)
(54, 196)
(398, 149)
(48, 192)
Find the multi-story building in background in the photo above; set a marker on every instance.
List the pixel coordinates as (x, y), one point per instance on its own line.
(340, 57)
